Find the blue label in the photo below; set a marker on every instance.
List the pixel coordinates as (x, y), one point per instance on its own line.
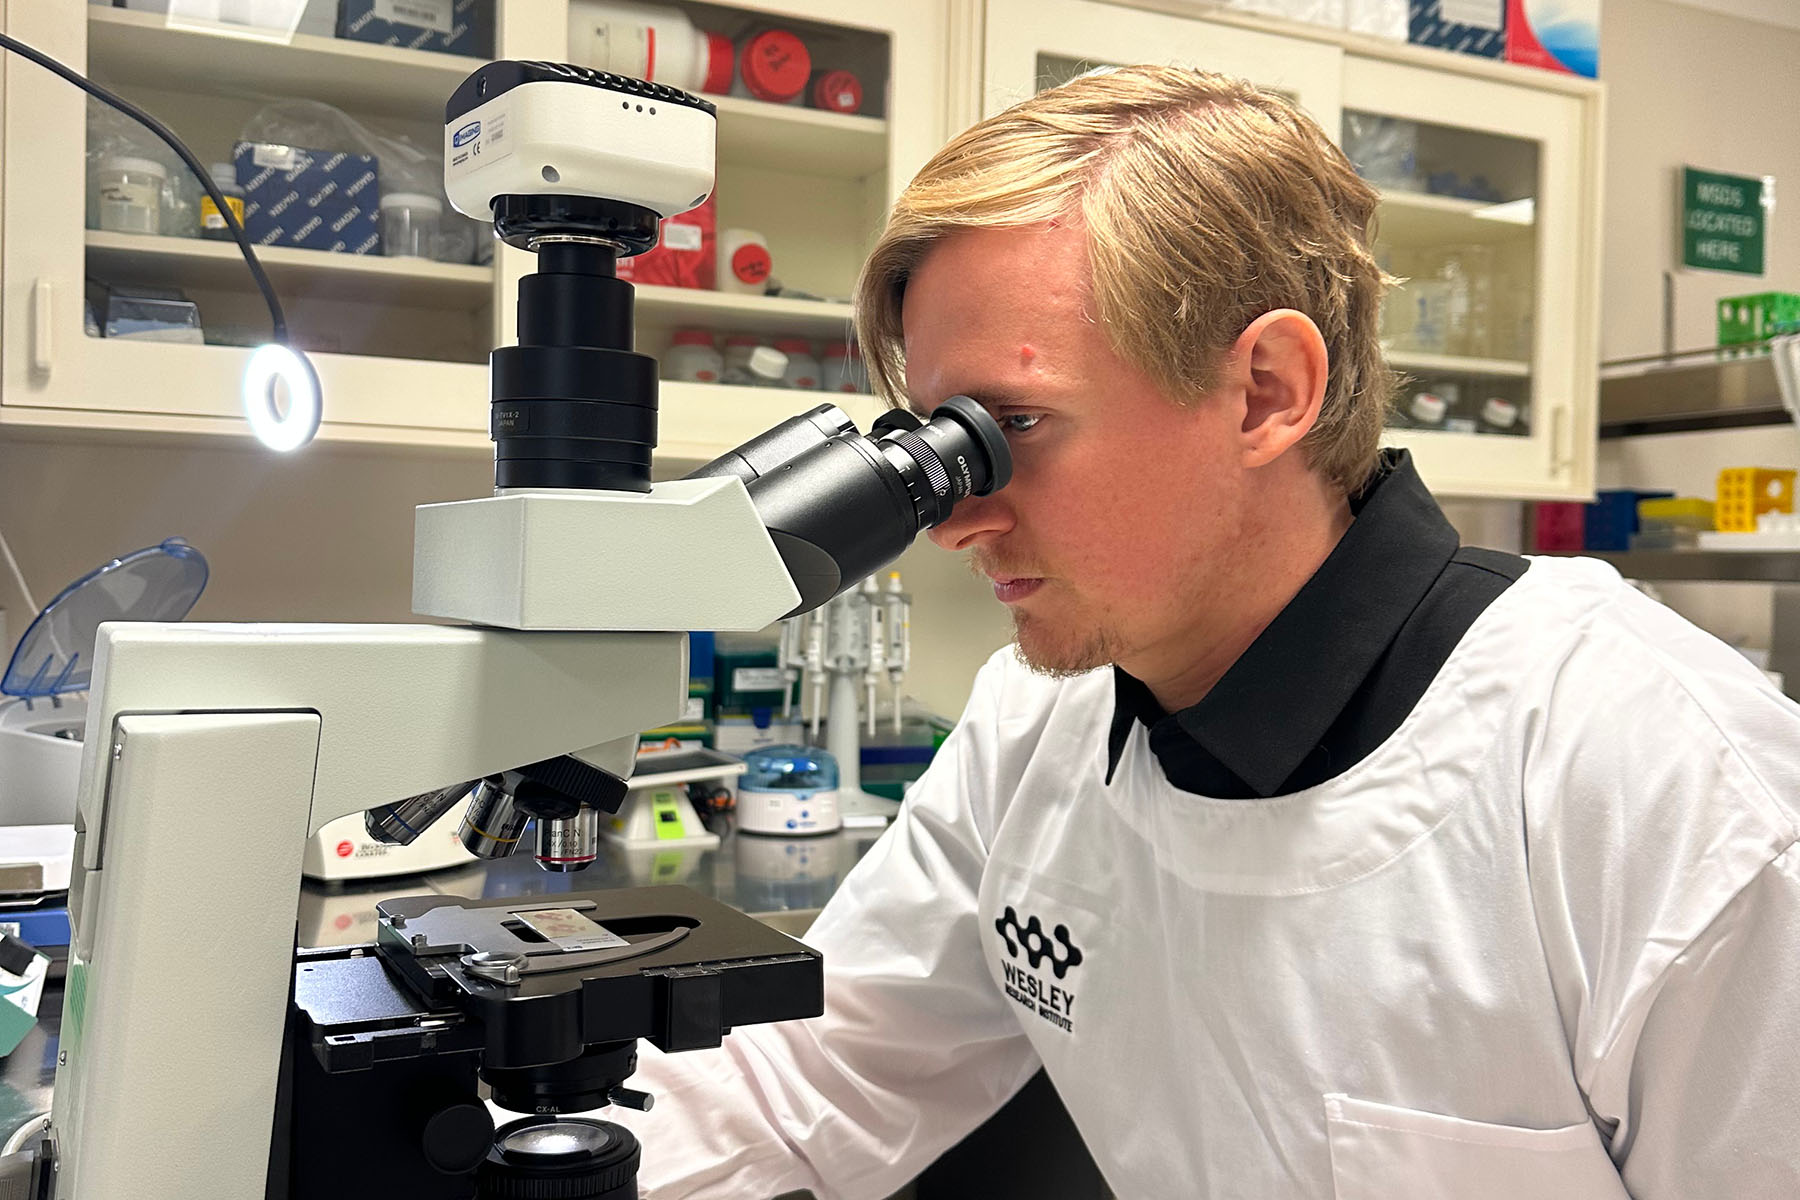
(466, 134)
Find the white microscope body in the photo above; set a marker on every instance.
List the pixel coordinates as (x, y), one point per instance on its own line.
(179, 977)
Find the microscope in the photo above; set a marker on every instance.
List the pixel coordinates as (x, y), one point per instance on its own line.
(202, 1057)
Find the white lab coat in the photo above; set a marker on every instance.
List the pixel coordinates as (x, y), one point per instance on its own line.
(1547, 935)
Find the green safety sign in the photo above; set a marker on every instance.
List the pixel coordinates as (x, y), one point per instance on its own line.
(1724, 220)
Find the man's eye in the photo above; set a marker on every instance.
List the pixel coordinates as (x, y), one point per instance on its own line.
(1020, 422)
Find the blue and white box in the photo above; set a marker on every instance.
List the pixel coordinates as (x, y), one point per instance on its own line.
(1466, 26)
(446, 26)
(314, 199)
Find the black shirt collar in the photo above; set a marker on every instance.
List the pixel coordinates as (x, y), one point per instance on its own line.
(1273, 706)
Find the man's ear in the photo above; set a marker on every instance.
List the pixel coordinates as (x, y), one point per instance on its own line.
(1281, 362)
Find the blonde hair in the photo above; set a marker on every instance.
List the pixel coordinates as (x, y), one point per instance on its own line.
(1207, 202)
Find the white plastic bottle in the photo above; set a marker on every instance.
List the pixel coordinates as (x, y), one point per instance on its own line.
(738, 348)
(802, 368)
(1428, 410)
(131, 191)
(692, 357)
(649, 41)
(764, 367)
(744, 263)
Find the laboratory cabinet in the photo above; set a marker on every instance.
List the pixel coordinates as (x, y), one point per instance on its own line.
(400, 343)
(1490, 215)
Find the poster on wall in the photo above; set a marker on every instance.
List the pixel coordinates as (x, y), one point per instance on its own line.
(1725, 221)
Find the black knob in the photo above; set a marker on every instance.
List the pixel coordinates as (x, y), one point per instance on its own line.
(457, 1138)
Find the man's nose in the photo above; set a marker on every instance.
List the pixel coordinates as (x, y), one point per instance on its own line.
(975, 522)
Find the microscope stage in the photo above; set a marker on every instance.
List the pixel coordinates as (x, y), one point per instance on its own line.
(665, 964)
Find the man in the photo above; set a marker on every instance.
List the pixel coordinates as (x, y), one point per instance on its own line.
(1309, 855)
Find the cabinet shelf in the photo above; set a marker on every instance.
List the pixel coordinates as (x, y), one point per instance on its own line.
(730, 312)
(143, 49)
(321, 274)
(1410, 218)
(805, 141)
(1704, 392)
(1453, 364)
(396, 402)
(700, 421)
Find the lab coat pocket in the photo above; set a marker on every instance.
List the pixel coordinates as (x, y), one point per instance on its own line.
(1379, 1152)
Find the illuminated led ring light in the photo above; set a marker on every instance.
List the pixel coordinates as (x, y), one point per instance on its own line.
(277, 362)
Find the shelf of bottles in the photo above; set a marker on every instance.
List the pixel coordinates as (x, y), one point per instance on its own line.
(1458, 227)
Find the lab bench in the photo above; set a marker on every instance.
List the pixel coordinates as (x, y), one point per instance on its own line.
(782, 882)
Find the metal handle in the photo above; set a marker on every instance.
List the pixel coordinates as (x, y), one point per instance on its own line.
(41, 343)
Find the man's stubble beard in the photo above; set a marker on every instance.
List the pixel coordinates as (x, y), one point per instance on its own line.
(1062, 657)
(1098, 647)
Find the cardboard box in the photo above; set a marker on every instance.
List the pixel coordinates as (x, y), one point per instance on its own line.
(313, 199)
(445, 26)
(684, 254)
(1557, 35)
(1466, 26)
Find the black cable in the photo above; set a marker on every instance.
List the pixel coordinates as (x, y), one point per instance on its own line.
(187, 156)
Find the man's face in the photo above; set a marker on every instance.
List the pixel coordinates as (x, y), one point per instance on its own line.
(1111, 543)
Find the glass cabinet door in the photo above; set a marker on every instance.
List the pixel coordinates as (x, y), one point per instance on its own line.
(1036, 44)
(1480, 220)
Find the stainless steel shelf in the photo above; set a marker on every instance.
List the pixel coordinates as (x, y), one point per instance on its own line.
(1710, 393)
(1710, 566)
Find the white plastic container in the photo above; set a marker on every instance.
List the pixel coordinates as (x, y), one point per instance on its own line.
(738, 348)
(768, 367)
(1499, 415)
(744, 262)
(649, 41)
(409, 224)
(130, 191)
(1429, 410)
(692, 357)
(842, 369)
(802, 368)
(751, 363)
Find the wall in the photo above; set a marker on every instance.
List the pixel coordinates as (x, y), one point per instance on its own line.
(326, 535)
(1684, 87)
(1683, 83)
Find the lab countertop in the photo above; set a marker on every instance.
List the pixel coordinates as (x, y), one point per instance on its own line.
(782, 881)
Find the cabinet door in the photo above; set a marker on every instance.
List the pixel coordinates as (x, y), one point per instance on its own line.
(1035, 44)
(1489, 217)
(43, 134)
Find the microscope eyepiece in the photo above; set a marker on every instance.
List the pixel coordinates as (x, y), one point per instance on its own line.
(840, 505)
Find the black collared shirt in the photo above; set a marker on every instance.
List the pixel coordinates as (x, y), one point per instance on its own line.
(1337, 670)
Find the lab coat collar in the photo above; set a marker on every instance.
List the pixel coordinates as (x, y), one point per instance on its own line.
(1272, 707)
